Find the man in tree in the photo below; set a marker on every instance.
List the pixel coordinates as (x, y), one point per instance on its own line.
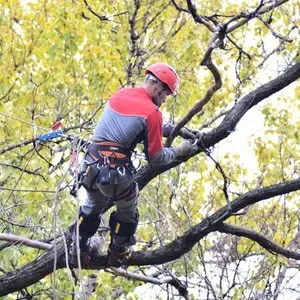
(131, 116)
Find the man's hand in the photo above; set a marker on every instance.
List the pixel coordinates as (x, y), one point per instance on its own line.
(187, 133)
(186, 149)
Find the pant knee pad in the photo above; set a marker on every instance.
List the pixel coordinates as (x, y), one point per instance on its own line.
(121, 228)
(88, 224)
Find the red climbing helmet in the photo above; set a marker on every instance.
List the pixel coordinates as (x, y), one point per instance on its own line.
(166, 74)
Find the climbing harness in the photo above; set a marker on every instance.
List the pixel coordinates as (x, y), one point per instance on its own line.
(112, 160)
(76, 170)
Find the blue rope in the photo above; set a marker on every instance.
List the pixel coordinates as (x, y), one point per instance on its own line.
(50, 135)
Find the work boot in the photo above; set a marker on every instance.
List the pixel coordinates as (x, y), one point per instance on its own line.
(88, 226)
(122, 237)
(118, 254)
(85, 251)
(87, 247)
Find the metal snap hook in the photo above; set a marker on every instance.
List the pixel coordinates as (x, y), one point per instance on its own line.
(194, 142)
(122, 173)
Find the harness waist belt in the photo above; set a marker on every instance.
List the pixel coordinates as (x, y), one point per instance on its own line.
(110, 150)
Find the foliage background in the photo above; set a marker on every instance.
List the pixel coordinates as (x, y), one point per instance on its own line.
(61, 61)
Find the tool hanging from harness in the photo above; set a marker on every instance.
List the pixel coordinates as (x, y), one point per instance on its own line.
(112, 160)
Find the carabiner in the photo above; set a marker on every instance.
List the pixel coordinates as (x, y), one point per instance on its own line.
(122, 173)
(194, 142)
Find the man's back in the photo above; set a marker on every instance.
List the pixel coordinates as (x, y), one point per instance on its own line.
(131, 117)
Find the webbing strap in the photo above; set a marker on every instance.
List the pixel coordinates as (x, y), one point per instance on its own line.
(111, 148)
(109, 155)
(130, 191)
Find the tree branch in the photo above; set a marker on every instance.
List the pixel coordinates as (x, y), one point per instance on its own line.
(179, 8)
(23, 170)
(198, 18)
(168, 279)
(275, 34)
(258, 238)
(227, 126)
(230, 121)
(102, 18)
(43, 265)
(249, 16)
(19, 240)
(221, 30)
(200, 104)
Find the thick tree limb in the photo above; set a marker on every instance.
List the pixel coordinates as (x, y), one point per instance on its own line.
(183, 244)
(43, 265)
(19, 241)
(227, 126)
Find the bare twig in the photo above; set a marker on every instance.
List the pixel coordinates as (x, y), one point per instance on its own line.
(249, 16)
(268, 55)
(28, 190)
(23, 170)
(102, 18)
(239, 48)
(275, 34)
(212, 120)
(225, 178)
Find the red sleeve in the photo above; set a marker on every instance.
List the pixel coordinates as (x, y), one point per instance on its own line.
(154, 133)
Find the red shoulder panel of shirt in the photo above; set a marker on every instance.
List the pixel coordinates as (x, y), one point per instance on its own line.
(132, 102)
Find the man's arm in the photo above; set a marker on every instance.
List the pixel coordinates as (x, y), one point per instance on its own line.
(153, 148)
(167, 128)
(184, 132)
